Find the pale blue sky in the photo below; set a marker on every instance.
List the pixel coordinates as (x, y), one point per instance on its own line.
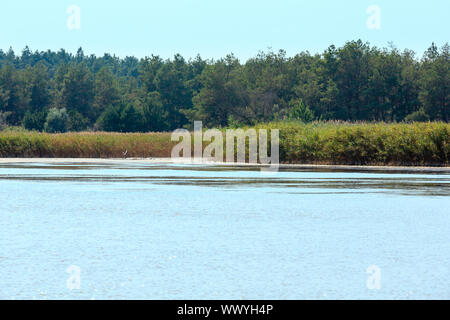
(215, 28)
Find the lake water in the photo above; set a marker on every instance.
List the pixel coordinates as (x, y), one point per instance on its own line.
(156, 231)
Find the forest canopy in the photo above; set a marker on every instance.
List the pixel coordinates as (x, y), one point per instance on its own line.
(59, 91)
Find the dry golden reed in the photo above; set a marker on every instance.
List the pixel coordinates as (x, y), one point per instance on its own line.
(416, 144)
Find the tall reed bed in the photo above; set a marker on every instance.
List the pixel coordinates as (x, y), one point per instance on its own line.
(420, 144)
(426, 144)
(84, 145)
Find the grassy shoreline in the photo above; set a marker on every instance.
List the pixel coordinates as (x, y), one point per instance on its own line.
(330, 143)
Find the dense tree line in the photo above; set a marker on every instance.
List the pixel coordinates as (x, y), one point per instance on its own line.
(59, 91)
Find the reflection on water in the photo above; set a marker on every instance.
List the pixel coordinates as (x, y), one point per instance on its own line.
(156, 231)
(226, 177)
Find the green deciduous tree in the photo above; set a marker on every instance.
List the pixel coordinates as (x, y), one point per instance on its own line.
(56, 121)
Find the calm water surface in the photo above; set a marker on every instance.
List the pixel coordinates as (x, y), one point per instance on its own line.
(140, 231)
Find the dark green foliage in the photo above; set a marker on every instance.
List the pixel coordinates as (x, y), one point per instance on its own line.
(221, 95)
(121, 118)
(76, 121)
(356, 82)
(77, 92)
(3, 122)
(155, 116)
(13, 94)
(35, 121)
(435, 83)
(109, 120)
(107, 91)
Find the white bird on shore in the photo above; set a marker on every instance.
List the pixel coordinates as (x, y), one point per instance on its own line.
(125, 153)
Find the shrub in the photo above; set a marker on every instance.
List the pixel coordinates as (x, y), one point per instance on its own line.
(3, 122)
(418, 116)
(299, 111)
(76, 121)
(35, 120)
(57, 120)
(121, 118)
